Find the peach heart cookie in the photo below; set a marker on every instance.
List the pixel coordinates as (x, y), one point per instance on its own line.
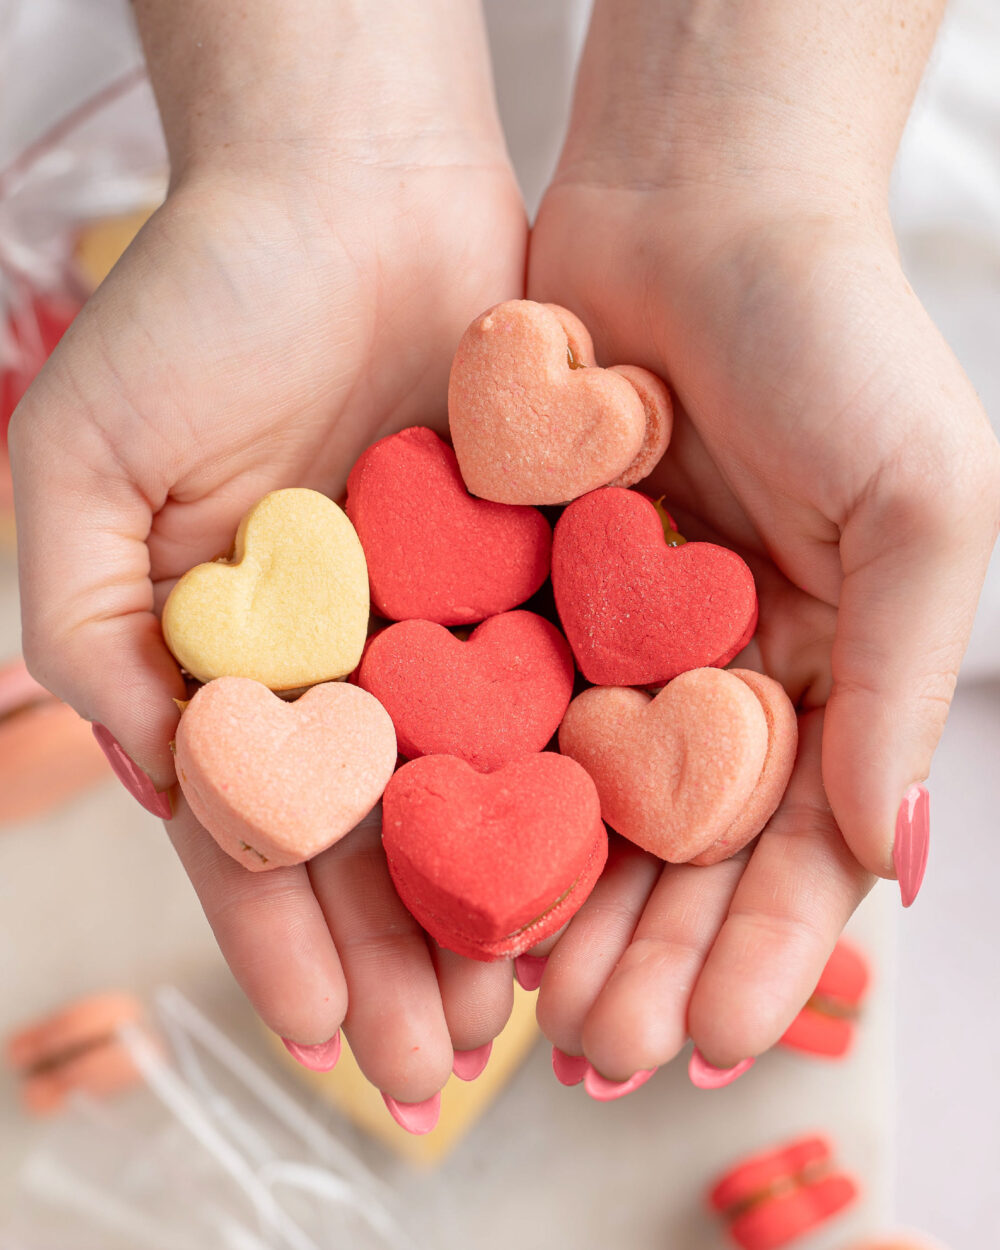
(535, 421)
(290, 608)
(694, 773)
(435, 553)
(491, 863)
(499, 695)
(77, 1049)
(637, 611)
(273, 782)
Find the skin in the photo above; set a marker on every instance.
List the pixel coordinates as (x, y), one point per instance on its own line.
(341, 207)
(735, 191)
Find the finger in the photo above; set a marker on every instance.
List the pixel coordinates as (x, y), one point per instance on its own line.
(395, 1019)
(597, 937)
(639, 1020)
(477, 997)
(89, 630)
(914, 555)
(272, 932)
(798, 891)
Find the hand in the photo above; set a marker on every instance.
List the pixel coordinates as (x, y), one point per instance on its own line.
(826, 433)
(288, 305)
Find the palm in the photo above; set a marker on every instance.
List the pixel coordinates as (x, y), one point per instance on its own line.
(248, 341)
(762, 337)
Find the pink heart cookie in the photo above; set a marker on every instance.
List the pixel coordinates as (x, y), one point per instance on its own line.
(275, 783)
(535, 421)
(694, 773)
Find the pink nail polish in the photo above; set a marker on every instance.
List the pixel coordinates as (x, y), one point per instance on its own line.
(131, 776)
(569, 1069)
(913, 838)
(319, 1058)
(468, 1064)
(528, 969)
(416, 1117)
(704, 1076)
(603, 1090)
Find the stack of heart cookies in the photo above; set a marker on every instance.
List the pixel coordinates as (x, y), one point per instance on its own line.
(431, 595)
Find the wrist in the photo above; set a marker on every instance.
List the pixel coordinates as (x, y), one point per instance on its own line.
(767, 98)
(266, 89)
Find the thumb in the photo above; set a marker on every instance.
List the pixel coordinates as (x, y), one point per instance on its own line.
(90, 633)
(914, 553)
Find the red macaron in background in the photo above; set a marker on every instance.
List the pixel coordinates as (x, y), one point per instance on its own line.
(487, 700)
(637, 611)
(826, 1025)
(492, 863)
(778, 1196)
(434, 552)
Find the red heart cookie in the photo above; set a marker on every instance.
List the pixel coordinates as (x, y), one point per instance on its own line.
(499, 695)
(434, 553)
(273, 782)
(491, 863)
(637, 612)
(535, 421)
(694, 774)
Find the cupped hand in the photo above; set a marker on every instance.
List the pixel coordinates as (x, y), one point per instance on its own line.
(826, 432)
(258, 334)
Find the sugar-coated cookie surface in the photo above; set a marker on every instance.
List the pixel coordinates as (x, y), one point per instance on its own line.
(491, 863)
(275, 783)
(289, 609)
(498, 695)
(637, 612)
(535, 421)
(679, 774)
(434, 552)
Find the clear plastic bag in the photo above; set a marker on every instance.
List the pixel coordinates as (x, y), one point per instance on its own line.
(209, 1152)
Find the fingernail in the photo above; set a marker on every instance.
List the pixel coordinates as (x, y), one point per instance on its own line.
(415, 1117)
(131, 776)
(704, 1076)
(319, 1058)
(913, 839)
(528, 969)
(569, 1069)
(603, 1090)
(468, 1064)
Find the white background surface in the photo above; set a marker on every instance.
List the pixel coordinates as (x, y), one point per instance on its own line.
(70, 889)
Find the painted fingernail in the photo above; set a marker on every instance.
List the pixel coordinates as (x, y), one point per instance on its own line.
(569, 1069)
(603, 1090)
(131, 776)
(704, 1076)
(468, 1064)
(415, 1117)
(913, 839)
(528, 969)
(319, 1058)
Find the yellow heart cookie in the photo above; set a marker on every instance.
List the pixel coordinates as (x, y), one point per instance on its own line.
(289, 609)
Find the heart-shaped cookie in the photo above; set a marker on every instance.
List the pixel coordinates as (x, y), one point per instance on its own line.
(637, 612)
(694, 773)
(499, 695)
(535, 421)
(491, 863)
(435, 553)
(274, 782)
(289, 609)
